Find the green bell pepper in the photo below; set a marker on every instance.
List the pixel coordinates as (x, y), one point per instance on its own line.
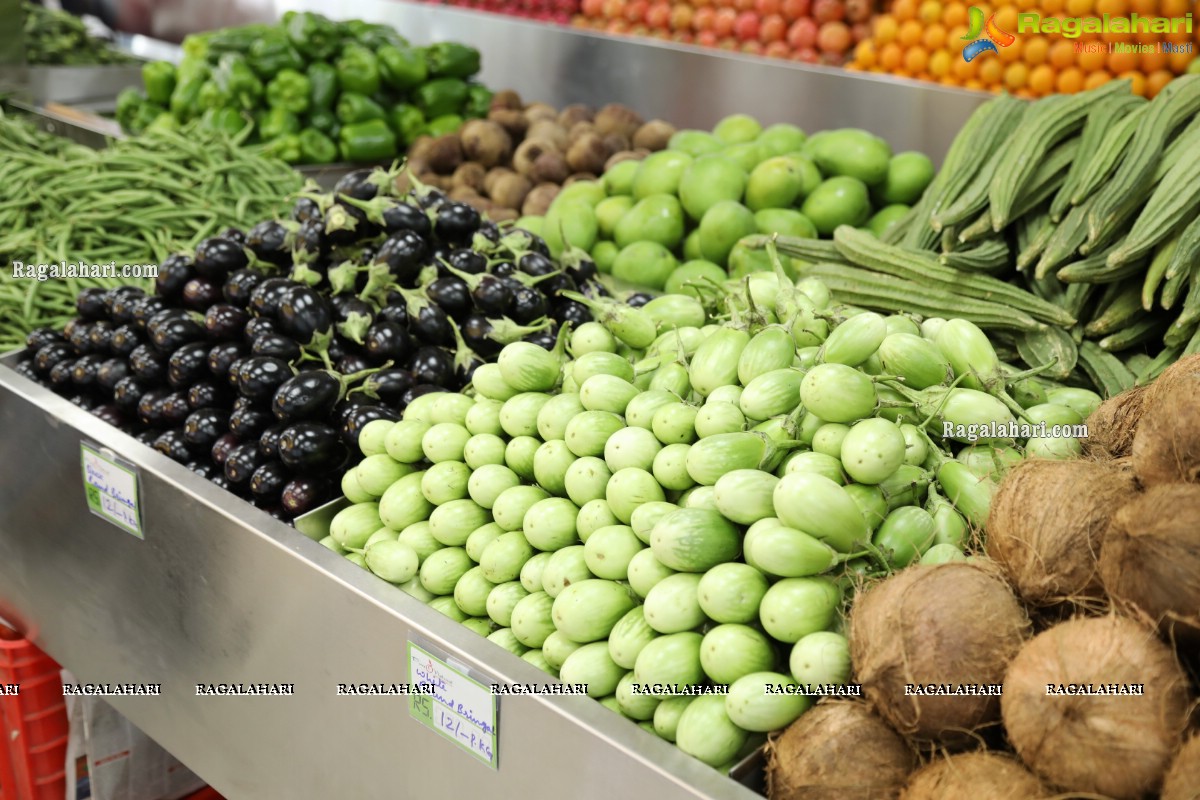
(440, 97)
(228, 121)
(452, 60)
(324, 82)
(367, 141)
(273, 54)
(129, 103)
(235, 40)
(440, 126)
(353, 108)
(372, 35)
(316, 147)
(213, 96)
(190, 79)
(163, 122)
(408, 123)
(145, 116)
(159, 79)
(291, 90)
(277, 122)
(358, 70)
(402, 67)
(195, 45)
(286, 148)
(479, 102)
(315, 36)
(235, 78)
(325, 121)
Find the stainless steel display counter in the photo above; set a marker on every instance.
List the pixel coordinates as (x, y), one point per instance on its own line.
(219, 592)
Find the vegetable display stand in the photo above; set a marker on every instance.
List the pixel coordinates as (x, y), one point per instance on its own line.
(221, 593)
(33, 723)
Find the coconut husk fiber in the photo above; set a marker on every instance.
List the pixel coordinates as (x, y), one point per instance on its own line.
(979, 776)
(1111, 427)
(1118, 745)
(1047, 523)
(840, 750)
(956, 625)
(1166, 448)
(1151, 559)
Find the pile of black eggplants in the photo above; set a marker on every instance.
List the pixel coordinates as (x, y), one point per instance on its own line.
(259, 358)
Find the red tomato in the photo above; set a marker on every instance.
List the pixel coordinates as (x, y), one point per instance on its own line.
(803, 34)
(593, 8)
(807, 55)
(706, 38)
(724, 22)
(704, 18)
(635, 11)
(858, 10)
(766, 8)
(681, 17)
(659, 16)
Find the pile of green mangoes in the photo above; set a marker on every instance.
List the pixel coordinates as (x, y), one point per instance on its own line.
(677, 216)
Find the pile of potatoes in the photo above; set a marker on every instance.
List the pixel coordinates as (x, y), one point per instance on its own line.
(514, 163)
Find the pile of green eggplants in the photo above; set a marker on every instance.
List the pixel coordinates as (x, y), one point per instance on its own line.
(684, 493)
(313, 90)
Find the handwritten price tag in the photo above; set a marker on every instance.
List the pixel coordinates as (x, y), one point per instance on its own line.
(111, 488)
(460, 708)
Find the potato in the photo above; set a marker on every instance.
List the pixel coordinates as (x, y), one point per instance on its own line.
(579, 176)
(538, 201)
(588, 154)
(469, 174)
(616, 118)
(579, 129)
(536, 111)
(493, 176)
(528, 152)
(511, 120)
(616, 142)
(419, 149)
(550, 167)
(464, 194)
(624, 155)
(502, 214)
(575, 113)
(486, 142)
(445, 154)
(507, 98)
(549, 131)
(654, 135)
(510, 190)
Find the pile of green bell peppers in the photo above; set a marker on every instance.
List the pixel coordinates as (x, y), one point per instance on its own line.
(313, 90)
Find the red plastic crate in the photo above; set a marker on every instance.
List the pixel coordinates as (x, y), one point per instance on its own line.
(33, 724)
(207, 793)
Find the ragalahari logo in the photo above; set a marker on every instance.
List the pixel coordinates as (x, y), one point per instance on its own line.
(995, 35)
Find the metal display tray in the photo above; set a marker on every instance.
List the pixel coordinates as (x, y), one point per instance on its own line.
(219, 591)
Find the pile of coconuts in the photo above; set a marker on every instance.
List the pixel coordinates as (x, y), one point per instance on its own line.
(1089, 575)
(514, 162)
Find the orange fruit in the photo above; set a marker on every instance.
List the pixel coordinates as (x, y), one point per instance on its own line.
(1035, 50)
(1069, 81)
(949, 80)
(1097, 78)
(954, 14)
(916, 60)
(904, 9)
(1119, 63)
(965, 71)
(1153, 62)
(940, 63)
(864, 54)
(1079, 8)
(1041, 80)
(1062, 54)
(1025, 94)
(1016, 76)
(885, 29)
(1006, 18)
(954, 38)
(1013, 52)
(1048, 7)
(1155, 81)
(974, 84)
(910, 33)
(1116, 8)
(1092, 60)
(991, 72)
(1137, 80)
(891, 56)
(1144, 8)
(929, 12)
(1179, 62)
(1175, 8)
(934, 37)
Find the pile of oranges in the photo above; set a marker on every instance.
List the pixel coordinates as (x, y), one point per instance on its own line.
(923, 39)
(811, 31)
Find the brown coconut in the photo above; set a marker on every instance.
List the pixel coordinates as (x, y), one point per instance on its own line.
(1111, 426)
(1151, 558)
(978, 776)
(654, 135)
(839, 750)
(486, 142)
(507, 99)
(511, 120)
(1183, 369)
(1166, 447)
(618, 119)
(1047, 523)
(955, 624)
(1117, 745)
(1183, 778)
(538, 201)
